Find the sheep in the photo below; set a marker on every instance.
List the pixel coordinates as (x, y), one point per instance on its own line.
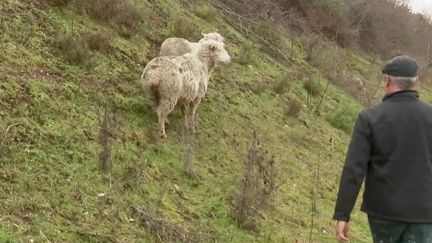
(179, 46)
(171, 80)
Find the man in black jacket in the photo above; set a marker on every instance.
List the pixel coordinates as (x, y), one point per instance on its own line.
(391, 146)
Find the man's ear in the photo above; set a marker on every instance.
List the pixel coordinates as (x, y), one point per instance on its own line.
(386, 80)
(416, 81)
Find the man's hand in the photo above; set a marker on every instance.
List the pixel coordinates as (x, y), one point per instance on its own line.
(342, 229)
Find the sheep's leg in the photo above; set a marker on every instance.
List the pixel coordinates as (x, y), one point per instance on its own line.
(163, 110)
(185, 112)
(161, 121)
(195, 104)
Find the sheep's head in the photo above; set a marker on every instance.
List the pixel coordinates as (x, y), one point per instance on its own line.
(212, 36)
(216, 51)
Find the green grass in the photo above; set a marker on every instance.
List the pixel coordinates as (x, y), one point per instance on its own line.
(50, 184)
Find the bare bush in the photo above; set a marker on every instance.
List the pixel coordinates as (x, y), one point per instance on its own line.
(188, 142)
(256, 187)
(338, 66)
(385, 27)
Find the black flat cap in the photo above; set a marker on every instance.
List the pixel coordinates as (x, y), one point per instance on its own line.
(401, 66)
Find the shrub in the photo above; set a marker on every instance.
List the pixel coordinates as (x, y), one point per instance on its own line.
(182, 27)
(100, 42)
(294, 107)
(75, 50)
(342, 119)
(312, 87)
(206, 12)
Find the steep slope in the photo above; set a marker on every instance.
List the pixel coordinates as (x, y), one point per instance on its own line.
(52, 110)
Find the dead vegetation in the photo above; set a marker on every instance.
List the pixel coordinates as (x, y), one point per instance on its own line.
(167, 231)
(256, 188)
(119, 13)
(384, 27)
(338, 67)
(268, 36)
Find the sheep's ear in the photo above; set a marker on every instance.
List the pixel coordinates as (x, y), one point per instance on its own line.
(203, 34)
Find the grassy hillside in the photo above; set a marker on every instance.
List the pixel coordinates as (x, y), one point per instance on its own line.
(62, 68)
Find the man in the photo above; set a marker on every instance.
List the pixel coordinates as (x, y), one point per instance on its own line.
(391, 146)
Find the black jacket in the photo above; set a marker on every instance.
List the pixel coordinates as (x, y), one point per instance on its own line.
(391, 146)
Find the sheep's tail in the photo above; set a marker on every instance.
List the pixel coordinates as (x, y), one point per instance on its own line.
(154, 96)
(151, 89)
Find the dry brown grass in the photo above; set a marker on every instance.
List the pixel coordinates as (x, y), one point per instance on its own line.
(167, 231)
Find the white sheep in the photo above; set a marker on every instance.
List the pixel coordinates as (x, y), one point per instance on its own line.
(182, 79)
(179, 46)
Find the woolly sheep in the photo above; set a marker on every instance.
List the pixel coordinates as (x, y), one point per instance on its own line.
(171, 80)
(179, 46)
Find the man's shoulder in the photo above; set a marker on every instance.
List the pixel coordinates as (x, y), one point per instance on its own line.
(425, 105)
(371, 110)
(386, 106)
